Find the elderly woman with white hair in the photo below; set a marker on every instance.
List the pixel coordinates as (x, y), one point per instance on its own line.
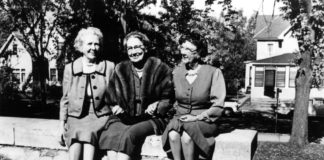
(86, 102)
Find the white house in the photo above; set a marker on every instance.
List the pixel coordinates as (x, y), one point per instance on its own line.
(274, 67)
(14, 54)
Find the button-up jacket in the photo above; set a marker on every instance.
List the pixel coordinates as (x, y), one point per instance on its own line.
(74, 89)
(205, 96)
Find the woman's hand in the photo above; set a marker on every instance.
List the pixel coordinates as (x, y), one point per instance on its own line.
(188, 118)
(151, 108)
(61, 131)
(117, 110)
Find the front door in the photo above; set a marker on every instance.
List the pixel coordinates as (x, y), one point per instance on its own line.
(269, 83)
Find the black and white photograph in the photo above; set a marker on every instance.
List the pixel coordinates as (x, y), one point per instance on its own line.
(161, 79)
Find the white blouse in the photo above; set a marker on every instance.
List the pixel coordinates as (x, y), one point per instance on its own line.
(192, 74)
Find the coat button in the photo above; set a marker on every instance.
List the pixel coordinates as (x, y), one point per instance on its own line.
(97, 98)
(93, 77)
(94, 87)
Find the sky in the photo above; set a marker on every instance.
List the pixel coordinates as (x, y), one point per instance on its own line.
(265, 7)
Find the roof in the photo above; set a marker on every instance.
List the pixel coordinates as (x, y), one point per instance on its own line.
(19, 37)
(286, 58)
(11, 37)
(270, 27)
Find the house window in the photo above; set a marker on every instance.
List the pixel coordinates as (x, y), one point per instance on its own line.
(59, 47)
(52, 74)
(14, 49)
(23, 74)
(259, 76)
(16, 74)
(322, 79)
(280, 77)
(270, 48)
(292, 76)
(280, 44)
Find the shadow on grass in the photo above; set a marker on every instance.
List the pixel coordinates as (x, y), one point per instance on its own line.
(30, 109)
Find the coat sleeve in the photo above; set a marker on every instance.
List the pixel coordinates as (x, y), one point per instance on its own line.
(167, 92)
(119, 95)
(67, 80)
(217, 96)
(111, 93)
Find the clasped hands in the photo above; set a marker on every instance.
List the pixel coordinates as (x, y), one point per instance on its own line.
(190, 118)
(151, 109)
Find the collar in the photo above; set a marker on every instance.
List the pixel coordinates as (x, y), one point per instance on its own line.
(193, 72)
(77, 67)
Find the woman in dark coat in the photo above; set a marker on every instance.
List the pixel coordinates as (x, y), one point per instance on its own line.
(143, 90)
(86, 101)
(199, 94)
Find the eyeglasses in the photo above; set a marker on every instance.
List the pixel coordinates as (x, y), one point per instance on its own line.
(135, 54)
(136, 47)
(184, 55)
(188, 49)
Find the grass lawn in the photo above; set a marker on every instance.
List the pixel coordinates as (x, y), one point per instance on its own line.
(285, 151)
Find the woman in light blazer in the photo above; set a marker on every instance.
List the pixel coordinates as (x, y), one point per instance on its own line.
(86, 102)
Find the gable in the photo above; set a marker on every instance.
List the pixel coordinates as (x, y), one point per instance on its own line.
(270, 27)
(15, 36)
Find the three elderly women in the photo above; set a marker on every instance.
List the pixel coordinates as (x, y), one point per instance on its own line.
(116, 108)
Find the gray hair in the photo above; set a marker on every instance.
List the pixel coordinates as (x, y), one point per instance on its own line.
(78, 42)
(139, 35)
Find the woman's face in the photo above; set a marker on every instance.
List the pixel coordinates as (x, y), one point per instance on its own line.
(135, 49)
(189, 52)
(91, 46)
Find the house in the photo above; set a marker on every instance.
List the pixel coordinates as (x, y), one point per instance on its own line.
(274, 68)
(15, 54)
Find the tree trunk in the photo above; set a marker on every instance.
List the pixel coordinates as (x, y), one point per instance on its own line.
(40, 74)
(299, 133)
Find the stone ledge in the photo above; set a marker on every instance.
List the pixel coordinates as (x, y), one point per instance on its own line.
(239, 144)
(42, 133)
(30, 132)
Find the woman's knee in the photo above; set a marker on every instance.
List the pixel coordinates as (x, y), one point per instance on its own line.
(174, 136)
(185, 138)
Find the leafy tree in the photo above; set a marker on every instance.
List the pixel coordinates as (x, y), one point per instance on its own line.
(306, 18)
(8, 85)
(6, 26)
(34, 21)
(116, 18)
(229, 37)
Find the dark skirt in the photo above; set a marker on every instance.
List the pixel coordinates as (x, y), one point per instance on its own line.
(202, 133)
(124, 138)
(85, 129)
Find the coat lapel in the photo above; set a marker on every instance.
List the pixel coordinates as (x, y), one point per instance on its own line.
(148, 79)
(127, 84)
